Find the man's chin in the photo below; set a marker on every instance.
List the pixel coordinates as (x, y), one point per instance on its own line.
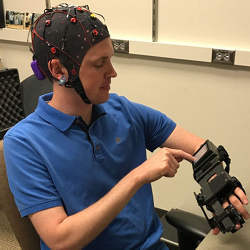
(101, 99)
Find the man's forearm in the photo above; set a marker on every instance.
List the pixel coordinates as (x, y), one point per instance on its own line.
(184, 140)
(78, 230)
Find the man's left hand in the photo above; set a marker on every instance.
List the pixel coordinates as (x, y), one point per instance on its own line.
(239, 201)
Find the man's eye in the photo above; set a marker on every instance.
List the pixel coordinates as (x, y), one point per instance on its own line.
(99, 65)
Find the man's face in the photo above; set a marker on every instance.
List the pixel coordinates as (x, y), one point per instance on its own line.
(97, 70)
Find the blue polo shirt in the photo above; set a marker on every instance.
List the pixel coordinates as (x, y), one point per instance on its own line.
(53, 160)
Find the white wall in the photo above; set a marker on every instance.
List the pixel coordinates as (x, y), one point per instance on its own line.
(125, 19)
(212, 102)
(25, 6)
(16, 55)
(208, 101)
(221, 23)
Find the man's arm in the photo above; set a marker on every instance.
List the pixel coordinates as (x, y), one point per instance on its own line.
(188, 142)
(60, 231)
(184, 140)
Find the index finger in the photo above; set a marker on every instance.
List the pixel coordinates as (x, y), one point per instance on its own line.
(180, 155)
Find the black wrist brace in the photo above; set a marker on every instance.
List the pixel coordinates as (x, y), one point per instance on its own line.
(216, 186)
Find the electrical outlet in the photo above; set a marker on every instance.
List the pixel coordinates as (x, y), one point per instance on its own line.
(121, 46)
(223, 56)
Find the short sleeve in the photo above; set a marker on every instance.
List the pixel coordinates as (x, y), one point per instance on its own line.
(28, 177)
(156, 125)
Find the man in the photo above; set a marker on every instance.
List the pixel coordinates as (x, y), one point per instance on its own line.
(77, 165)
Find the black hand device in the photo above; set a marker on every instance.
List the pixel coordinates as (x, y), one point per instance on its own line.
(216, 186)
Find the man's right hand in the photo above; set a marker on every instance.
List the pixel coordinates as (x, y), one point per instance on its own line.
(165, 162)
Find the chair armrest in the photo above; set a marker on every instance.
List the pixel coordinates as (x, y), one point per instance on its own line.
(188, 222)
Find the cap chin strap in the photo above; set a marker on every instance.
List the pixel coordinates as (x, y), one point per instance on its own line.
(74, 82)
(77, 85)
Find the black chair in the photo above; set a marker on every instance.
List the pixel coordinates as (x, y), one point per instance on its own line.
(17, 100)
(11, 109)
(182, 230)
(31, 89)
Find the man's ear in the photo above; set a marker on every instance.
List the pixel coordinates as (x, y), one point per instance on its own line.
(57, 69)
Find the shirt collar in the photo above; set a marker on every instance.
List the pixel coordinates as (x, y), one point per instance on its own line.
(59, 119)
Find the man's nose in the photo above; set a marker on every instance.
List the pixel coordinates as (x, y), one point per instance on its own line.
(112, 71)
